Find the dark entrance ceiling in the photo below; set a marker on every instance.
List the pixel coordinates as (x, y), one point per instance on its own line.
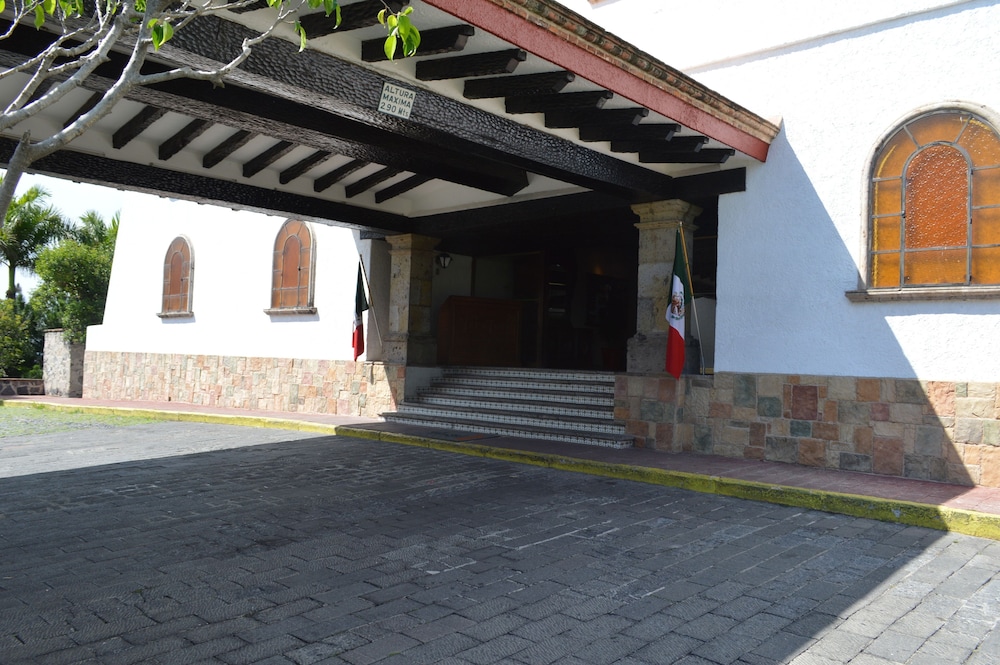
(499, 140)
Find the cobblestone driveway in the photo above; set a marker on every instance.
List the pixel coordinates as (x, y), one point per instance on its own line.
(335, 550)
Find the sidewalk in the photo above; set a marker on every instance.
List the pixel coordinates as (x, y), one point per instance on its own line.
(970, 510)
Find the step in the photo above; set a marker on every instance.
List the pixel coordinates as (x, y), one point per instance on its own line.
(519, 383)
(566, 436)
(563, 397)
(577, 376)
(478, 401)
(513, 419)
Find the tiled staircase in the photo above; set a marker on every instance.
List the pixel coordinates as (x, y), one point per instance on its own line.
(558, 405)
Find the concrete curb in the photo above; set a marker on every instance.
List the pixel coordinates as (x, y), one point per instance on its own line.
(931, 516)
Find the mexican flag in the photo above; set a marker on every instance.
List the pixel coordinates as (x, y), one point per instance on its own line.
(680, 298)
(360, 305)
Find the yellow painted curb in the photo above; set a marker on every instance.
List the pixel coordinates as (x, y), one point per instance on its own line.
(968, 522)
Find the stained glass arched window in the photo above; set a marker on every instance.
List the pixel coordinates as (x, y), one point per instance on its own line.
(178, 278)
(935, 204)
(292, 272)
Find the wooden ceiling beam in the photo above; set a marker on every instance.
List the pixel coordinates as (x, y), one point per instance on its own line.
(299, 169)
(401, 187)
(369, 181)
(236, 140)
(508, 86)
(266, 158)
(466, 66)
(137, 125)
(552, 102)
(336, 175)
(182, 138)
(86, 106)
(706, 156)
(648, 132)
(675, 144)
(594, 117)
(432, 42)
(354, 16)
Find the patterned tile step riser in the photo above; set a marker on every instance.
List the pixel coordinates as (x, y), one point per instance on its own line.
(543, 374)
(578, 399)
(531, 385)
(515, 406)
(582, 438)
(509, 419)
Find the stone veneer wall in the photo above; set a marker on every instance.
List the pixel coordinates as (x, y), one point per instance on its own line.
(340, 387)
(931, 430)
(11, 387)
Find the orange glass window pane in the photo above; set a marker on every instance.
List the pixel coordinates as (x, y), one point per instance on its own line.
(982, 143)
(986, 265)
(937, 198)
(885, 233)
(986, 187)
(885, 270)
(938, 127)
(986, 226)
(934, 267)
(892, 158)
(887, 197)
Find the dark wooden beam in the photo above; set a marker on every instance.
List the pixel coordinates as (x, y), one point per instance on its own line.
(86, 106)
(648, 132)
(466, 66)
(296, 170)
(266, 158)
(202, 189)
(236, 140)
(553, 102)
(183, 138)
(352, 17)
(327, 180)
(675, 144)
(708, 185)
(432, 42)
(594, 117)
(705, 156)
(137, 125)
(507, 86)
(366, 183)
(401, 187)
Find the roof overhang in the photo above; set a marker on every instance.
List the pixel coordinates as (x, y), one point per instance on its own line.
(514, 102)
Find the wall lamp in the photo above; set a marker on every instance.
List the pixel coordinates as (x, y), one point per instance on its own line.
(443, 260)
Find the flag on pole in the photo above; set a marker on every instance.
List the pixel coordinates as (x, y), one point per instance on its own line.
(360, 305)
(680, 297)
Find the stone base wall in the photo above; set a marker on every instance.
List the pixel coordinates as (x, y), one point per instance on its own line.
(11, 387)
(62, 365)
(269, 384)
(931, 430)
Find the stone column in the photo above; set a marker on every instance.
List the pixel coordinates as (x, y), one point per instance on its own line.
(409, 339)
(658, 224)
(62, 368)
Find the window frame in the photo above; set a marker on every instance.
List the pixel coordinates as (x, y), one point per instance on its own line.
(947, 291)
(183, 245)
(301, 231)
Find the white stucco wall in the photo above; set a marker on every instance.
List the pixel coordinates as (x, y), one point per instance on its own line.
(793, 243)
(840, 76)
(232, 286)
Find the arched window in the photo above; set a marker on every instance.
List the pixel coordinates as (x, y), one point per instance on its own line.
(292, 275)
(935, 204)
(178, 279)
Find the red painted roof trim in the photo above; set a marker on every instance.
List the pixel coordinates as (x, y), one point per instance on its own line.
(552, 46)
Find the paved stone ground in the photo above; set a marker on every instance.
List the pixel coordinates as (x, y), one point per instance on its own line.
(336, 550)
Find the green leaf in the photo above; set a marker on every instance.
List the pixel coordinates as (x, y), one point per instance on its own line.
(3, 5)
(390, 46)
(381, 16)
(49, 6)
(161, 32)
(39, 16)
(302, 36)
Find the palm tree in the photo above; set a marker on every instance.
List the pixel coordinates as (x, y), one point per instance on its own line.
(30, 225)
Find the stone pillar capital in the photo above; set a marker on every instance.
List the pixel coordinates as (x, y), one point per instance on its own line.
(411, 242)
(666, 214)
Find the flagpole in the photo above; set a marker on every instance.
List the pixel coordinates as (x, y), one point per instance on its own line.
(694, 309)
(364, 273)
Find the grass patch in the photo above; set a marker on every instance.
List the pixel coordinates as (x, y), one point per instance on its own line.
(39, 419)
